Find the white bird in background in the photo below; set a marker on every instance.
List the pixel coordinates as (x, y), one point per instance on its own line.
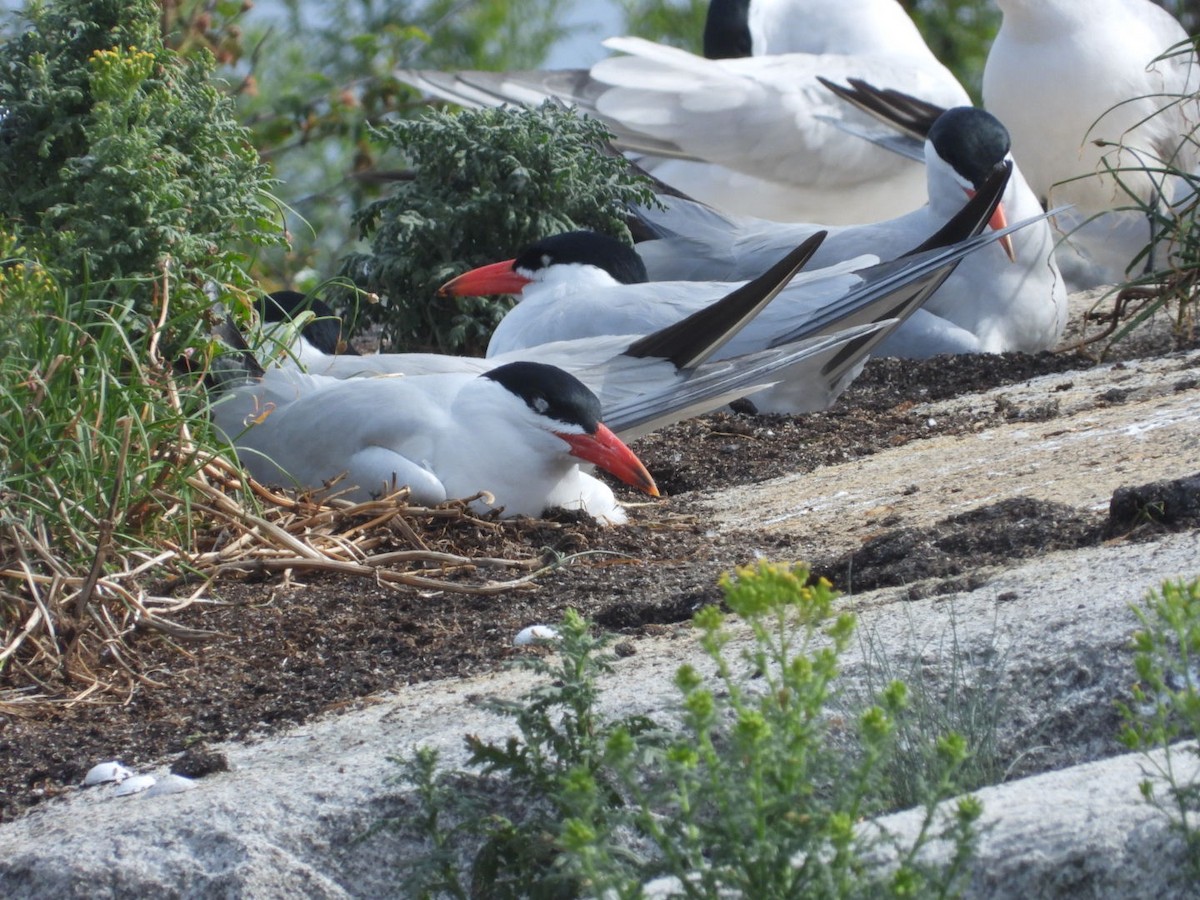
(1095, 114)
(991, 303)
(581, 284)
(454, 426)
(762, 127)
(735, 28)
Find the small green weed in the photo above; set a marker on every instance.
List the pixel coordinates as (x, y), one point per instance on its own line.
(1165, 708)
(966, 697)
(748, 793)
(562, 743)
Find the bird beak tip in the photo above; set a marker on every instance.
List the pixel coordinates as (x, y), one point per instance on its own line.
(609, 452)
(998, 222)
(1007, 244)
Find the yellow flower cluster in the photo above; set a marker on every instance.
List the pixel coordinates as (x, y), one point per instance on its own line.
(109, 58)
(118, 72)
(20, 275)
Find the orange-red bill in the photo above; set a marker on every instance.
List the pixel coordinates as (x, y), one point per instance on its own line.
(497, 278)
(996, 222)
(608, 452)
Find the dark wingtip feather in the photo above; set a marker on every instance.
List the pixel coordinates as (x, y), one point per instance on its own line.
(910, 114)
(692, 340)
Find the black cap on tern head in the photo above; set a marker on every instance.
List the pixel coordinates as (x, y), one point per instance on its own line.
(727, 30)
(971, 140)
(551, 392)
(588, 248)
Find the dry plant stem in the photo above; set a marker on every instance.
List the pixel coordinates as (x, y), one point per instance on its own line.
(261, 540)
(104, 542)
(381, 575)
(277, 533)
(41, 611)
(1125, 297)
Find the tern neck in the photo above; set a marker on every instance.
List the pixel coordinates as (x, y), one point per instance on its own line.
(1046, 19)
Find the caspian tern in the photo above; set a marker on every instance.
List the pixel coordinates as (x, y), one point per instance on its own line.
(570, 288)
(518, 431)
(991, 303)
(452, 426)
(646, 381)
(1097, 108)
(618, 367)
(753, 134)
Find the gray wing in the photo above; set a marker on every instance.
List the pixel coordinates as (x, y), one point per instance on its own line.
(717, 383)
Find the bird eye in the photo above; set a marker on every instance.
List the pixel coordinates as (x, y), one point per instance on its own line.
(540, 405)
(546, 260)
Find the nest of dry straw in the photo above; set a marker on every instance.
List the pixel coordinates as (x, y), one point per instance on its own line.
(66, 629)
(66, 635)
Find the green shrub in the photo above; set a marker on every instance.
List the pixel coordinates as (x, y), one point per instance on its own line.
(116, 153)
(128, 193)
(486, 182)
(751, 794)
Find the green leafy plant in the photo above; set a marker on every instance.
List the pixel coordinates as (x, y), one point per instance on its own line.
(486, 182)
(752, 793)
(1165, 708)
(562, 740)
(116, 154)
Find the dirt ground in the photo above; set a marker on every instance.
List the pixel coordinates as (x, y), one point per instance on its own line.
(294, 648)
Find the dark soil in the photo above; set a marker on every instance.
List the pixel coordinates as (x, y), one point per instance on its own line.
(290, 650)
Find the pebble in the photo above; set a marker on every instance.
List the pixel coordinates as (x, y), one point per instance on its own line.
(104, 772)
(534, 634)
